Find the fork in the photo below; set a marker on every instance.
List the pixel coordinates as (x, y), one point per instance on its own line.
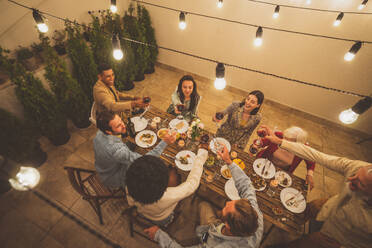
(292, 198)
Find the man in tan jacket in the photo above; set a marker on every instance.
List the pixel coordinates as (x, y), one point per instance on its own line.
(347, 216)
(106, 97)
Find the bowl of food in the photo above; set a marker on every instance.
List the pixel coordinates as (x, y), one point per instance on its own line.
(239, 162)
(210, 161)
(225, 172)
(181, 143)
(162, 132)
(258, 182)
(156, 119)
(233, 155)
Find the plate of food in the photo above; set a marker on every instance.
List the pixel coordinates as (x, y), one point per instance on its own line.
(284, 179)
(264, 168)
(180, 125)
(231, 190)
(225, 172)
(162, 132)
(258, 182)
(293, 200)
(185, 160)
(239, 162)
(146, 138)
(140, 123)
(218, 143)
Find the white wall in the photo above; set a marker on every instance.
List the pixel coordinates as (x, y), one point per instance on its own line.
(310, 59)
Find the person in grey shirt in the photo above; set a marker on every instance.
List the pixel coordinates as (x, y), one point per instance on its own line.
(112, 156)
(241, 223)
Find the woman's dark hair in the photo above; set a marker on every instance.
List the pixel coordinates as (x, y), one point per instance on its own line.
(147, 179)
(260, 97)
(194, 94)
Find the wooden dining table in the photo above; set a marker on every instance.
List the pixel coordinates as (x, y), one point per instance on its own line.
(214, 191)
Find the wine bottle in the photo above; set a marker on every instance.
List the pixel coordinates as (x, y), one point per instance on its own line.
(130, 128)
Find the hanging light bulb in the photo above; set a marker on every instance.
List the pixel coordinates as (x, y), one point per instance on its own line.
(338, 19)
(308, 2)
(220, 3)
(39, 21)
(220, 82)
(351, 115)
(182, 24)
(113, 7)
(258, 40)
(353, 50)
(362, 5)
(117, 52)
(27, 177)
(276, 12)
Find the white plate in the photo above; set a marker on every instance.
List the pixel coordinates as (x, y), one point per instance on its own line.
(259, 189)
(231, 190)
(224, 168)
(286, 194)
(173, 125)
(185, 167)
(139, 123)
(219, 140)
(143, 144)
(280, 176)
(258, 165)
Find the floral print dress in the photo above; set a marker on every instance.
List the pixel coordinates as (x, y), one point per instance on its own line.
(235, 129)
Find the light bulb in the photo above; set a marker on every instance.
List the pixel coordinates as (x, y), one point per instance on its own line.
(308, 2)
(27, 177)
(276, 12)
(220, 83)
(118, 54)
(42, 27)
(353, 50)
(219, 3)
(361, 6)
(258, 41)
(113, 8)
(349, 56)
(275, 15)
(336, 23)
(182, 25)
(348, 116)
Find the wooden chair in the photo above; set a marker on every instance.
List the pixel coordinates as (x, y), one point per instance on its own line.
(91, 189)
(142, 222)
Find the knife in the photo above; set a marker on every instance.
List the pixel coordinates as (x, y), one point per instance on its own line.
(263, 169)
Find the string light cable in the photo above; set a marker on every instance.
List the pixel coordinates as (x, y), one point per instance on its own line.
(310, 9)
(252, 25)
(209, 59)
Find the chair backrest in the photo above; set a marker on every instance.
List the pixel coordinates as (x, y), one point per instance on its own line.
(76, 180)
(93, 114)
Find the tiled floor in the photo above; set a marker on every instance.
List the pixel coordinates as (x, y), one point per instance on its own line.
(27, 221)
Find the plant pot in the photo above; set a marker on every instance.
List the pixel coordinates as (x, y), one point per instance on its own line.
(139, 78)
(82, 123)
(61, 49)
(150, 69)
(37, 158)
(60, 138)
(30, 64)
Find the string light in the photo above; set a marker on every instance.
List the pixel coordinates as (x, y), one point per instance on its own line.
(182, 24)
(276, 12)
(117, 52)
(258, 40)
(338, 19)
(362, 5)
(39, 21)
(219, 3)
(308, 2)
(353, 50)
(351, 115)
(113, 7)
(220, 82)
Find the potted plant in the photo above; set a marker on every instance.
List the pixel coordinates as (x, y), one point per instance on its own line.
(40, 106)
(145, 21)
(26, 58)
(37, 49)
(67, 90)
(18, 140)
(84, 67)
(59, 38)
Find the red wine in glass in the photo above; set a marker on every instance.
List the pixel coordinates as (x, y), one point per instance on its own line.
(219, 116)
(261, 133)
(253, 149)
(146, 99)
(180, 107)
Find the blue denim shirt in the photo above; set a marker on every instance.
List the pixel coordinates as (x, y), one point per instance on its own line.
(113, 158)
(216, 239)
